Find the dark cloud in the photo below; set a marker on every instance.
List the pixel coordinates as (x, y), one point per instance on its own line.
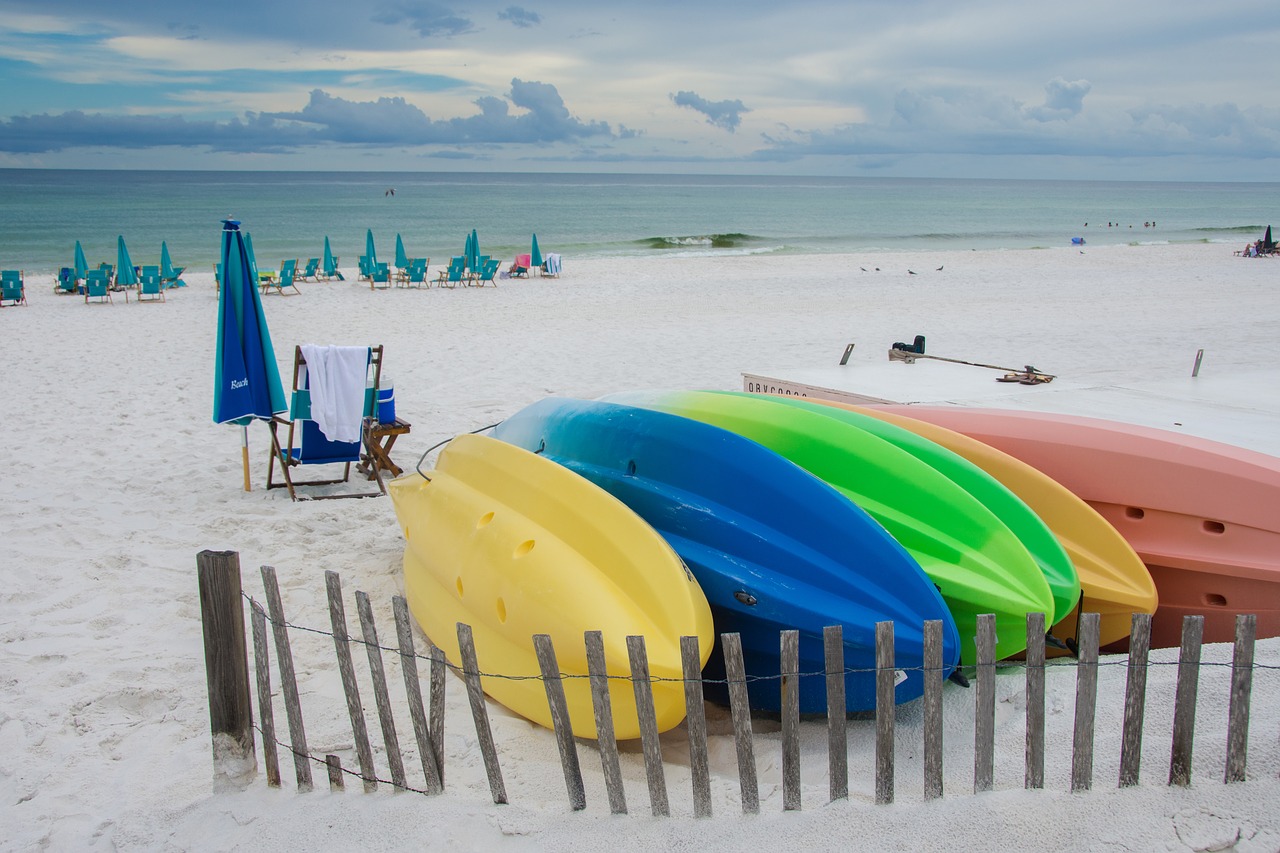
(969, 121)
(520, 17)
(425, 18)
(75, 129)
(1062, 99)
(325, 119)
(722, 114)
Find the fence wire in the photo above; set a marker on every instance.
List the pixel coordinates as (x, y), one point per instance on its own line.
(1053, 663)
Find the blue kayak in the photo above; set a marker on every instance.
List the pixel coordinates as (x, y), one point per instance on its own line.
(773, 547)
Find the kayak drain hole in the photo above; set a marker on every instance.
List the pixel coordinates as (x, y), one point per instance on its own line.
(1214, 600)
(484, 520)
(523, 548)
(502, 611)
(745, 597)
(1216, 527)
(1134, 512)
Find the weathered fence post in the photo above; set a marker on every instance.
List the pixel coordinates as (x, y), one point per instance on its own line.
(885, 677)
(262, 664)
(288, 681)
(386, 719)
(341, 647)
(696, 717)
(1241, 685)
(649, 743)
(837, 735)
(790, 672)
(601, 704)
(560, 722)
(984, 722)
(1184, 703)
(480, 713)
(933, 709)
(413, 690)
(1135, 699)
(740, 708)
(1033, 776)
(1086, 702)
(334, 765)
(226, 663)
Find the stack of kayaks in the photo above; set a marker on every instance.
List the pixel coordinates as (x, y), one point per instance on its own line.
(1200, 514)
(701, 513)
(773, 547)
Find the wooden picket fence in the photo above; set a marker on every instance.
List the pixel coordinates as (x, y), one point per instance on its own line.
(232, 724)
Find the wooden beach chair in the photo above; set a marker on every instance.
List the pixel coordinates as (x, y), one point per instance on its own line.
(288, 272)
(305, 444)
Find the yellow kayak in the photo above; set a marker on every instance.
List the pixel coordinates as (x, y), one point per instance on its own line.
(515, 545)
(1114, 582)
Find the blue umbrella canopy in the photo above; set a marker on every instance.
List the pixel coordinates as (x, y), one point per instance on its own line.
(248, 249)
(126, 275)
(330, 262)
(167, 269)
(402, 259)
(82, 265)
(473, 259)
(369, 250)
(246, 380)
(535, 255)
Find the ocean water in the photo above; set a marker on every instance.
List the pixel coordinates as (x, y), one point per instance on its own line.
(43, 213)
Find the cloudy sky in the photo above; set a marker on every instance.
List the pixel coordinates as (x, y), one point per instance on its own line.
(1174, 90)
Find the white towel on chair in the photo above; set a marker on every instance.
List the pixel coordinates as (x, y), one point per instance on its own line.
(336, 377)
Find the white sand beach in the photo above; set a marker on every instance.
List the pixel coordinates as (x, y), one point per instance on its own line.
(115, 477)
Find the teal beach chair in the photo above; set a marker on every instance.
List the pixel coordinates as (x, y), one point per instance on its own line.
(97, 285)
(12, 288)
(455, 274)
(150, 285)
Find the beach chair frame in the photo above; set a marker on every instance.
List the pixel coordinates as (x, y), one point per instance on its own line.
(289, 455)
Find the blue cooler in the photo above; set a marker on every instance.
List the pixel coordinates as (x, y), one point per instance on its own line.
(387, 403)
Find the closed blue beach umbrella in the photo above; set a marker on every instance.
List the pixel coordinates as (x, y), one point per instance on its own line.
(248, 250)
(82, 265)
(535, 255)
(246, 379)
(402, 259)
(330, 262)
(126, 275)
(167, 270)
(369, 250)
(473, 260)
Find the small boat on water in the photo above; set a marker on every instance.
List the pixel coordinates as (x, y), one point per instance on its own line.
(774, 547)
(1201, 514)
(514, 545)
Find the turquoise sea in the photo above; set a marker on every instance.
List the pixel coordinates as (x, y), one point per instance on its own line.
(43, 213)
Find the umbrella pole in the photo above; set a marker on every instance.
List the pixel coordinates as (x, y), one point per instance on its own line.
(244, 453)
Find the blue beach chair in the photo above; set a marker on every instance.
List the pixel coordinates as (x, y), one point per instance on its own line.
(67, 281)
(487, 271)
(306, 444)
(97, 285)
(288, 272)
(12, 288)
(455, 274)
(150, 285)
